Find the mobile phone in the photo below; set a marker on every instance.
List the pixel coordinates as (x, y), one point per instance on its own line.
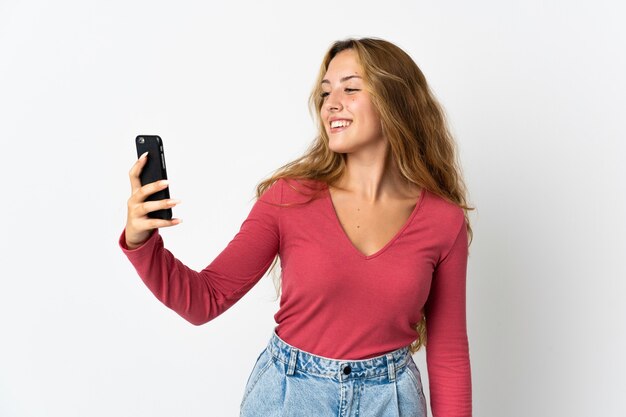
(154, 170)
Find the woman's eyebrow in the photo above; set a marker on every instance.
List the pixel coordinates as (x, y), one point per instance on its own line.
(346, 78)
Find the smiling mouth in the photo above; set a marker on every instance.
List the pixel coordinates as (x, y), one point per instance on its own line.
(339, 125)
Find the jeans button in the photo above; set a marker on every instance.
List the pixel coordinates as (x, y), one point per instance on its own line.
(347, 370)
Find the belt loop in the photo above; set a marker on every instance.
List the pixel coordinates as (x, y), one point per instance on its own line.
(293, 355)
(391, 368)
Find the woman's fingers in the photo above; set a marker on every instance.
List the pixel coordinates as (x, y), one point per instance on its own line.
(158, 223)
(135, 170)
(146, 207)
(140, 194)
(138, 224)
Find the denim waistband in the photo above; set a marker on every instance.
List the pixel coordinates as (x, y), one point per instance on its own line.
(297, 359)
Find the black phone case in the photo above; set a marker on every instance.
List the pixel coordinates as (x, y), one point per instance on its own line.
(154, 170)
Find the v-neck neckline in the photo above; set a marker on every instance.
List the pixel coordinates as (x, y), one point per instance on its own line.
(390, 242)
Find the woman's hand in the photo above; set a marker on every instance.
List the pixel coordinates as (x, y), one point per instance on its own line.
(138, 224)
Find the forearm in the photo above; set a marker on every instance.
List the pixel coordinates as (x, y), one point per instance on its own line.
(177, 286)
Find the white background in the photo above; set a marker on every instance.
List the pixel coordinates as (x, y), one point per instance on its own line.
(536, 96)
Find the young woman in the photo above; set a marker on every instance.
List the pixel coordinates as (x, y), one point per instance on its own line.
(371, 229)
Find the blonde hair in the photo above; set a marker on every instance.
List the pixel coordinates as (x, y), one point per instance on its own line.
(412, 120)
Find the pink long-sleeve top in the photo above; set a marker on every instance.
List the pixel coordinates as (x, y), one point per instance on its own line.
(336, 302)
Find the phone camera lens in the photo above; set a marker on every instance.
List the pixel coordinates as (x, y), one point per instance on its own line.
(142, 140)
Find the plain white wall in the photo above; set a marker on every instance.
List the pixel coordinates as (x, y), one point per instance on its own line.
(536, 95)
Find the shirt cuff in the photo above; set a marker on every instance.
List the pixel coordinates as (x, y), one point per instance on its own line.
(146, 246)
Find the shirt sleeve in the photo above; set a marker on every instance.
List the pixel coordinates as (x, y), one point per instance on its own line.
(447, 348)
(199, 297)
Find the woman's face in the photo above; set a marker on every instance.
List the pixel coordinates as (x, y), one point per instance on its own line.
(349, 116)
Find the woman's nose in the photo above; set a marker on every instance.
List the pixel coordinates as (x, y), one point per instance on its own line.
(333, 103)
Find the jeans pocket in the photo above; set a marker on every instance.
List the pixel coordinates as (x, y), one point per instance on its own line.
(416, 377)
(263, 362)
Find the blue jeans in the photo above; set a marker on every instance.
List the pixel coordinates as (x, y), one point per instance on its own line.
(287, 381)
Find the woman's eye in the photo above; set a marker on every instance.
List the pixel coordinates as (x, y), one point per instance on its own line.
(347, 90)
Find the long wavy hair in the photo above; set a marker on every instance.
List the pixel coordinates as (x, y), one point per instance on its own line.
(413, 122)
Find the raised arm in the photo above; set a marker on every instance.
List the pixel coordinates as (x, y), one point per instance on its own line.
(447, 348)
(201, 296)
